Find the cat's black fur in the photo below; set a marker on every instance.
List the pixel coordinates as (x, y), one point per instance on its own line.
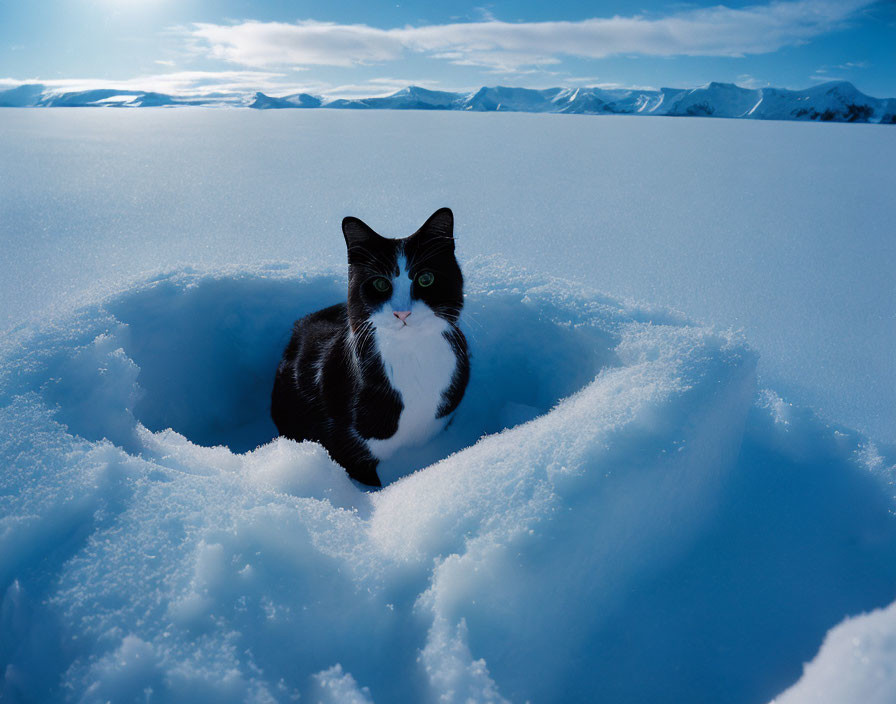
(332, 385)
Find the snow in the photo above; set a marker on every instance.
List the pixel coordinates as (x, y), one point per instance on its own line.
(758, 103)
(639, 469)
(790, 242)
(335, 687)
(857, 663)
(625, 509)
(837, 101)
(715, 99)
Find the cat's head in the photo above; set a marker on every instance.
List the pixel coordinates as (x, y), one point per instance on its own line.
(403, 284)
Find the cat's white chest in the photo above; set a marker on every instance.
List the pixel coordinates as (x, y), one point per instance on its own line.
(420, 364)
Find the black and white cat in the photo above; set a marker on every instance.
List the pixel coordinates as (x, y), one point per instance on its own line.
(388, 368)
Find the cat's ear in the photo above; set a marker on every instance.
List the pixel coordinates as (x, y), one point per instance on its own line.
(357, 233)
(439, 225)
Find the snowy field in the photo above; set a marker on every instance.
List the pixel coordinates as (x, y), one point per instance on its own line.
(630, 507)
(784, 230)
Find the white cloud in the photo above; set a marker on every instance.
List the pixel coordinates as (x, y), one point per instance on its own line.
(823, 73)
(825, 78)
(621, 86)
(850, 65)
(484, 13)
(496, 61)
(507, 46)
(306, 43)
(745, 80)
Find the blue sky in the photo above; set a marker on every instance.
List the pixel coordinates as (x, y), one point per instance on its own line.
(371, 48)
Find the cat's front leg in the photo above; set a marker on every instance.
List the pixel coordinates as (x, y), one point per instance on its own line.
(377, 411)
(352, 454)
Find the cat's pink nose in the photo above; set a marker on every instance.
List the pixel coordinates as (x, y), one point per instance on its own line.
(402, 315)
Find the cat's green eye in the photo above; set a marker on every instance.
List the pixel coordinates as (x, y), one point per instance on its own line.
(426, 278)
(381, 284)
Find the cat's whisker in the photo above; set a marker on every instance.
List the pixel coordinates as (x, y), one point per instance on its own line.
(474, 335)
(471, 319)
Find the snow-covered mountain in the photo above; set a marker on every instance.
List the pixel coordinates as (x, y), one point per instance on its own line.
(837, 101)
(298, 100)
(410, 98)
(22, 96)
(40, 96)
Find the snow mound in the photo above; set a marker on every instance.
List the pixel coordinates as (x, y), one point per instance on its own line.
(856, 664)
(615, 514)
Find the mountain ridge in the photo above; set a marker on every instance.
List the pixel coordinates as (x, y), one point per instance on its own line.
(836, 101)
